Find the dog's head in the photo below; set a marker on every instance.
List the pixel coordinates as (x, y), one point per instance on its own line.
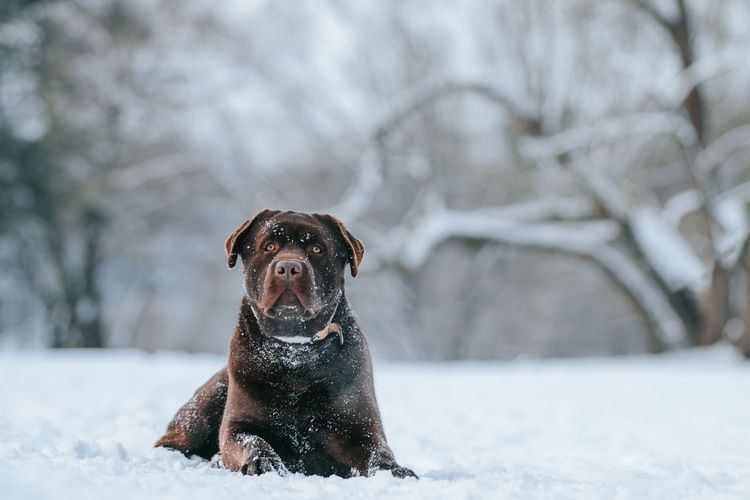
(294, 262)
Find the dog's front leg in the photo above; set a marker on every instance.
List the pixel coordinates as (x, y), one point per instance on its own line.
(249, 454)
(195, 427)
(366, 453)
(381, 458)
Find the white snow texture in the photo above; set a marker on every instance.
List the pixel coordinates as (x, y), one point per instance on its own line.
(81, 425)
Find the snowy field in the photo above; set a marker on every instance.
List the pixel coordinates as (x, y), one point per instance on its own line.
(80, 425)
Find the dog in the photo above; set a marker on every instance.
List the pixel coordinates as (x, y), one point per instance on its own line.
(297, 393)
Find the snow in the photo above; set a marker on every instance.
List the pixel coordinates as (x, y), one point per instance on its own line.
(667, 251)
(610, 130)
(681, 205)
(440, 225)
(731, 214)
(80, 425)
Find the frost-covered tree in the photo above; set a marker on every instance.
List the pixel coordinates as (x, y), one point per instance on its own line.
(540, 176)
(69, 163)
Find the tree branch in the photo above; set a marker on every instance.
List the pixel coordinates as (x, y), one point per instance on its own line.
(656, 15)
(372, 164)
(590, 240)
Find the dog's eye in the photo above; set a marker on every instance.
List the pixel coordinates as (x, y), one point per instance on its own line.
(316, 249)
(270, 247)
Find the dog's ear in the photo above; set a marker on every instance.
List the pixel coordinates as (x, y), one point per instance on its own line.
(355, 248)
(231, 244)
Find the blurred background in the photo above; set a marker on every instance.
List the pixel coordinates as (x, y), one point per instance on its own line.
(536, 178)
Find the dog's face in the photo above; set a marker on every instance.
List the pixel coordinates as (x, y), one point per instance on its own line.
(294, 262)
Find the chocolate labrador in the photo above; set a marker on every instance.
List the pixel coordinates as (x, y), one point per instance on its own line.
(297, 393)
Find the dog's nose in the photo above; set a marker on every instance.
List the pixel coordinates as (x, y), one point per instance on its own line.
(290, 269)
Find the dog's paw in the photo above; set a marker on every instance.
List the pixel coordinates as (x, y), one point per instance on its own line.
(402, 472)
(263, 459)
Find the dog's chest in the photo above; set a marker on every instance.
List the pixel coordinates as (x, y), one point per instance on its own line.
(297, 424)
(303, 362)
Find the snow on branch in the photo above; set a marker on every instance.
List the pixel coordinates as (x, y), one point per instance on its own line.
(731, 214)
(590, 240)
(681, 205)
(383, 247)
(610, 130)
(606, 192)
(728, 211)
(420, 241)
(708, 67)
(667, 251)
(741, 192)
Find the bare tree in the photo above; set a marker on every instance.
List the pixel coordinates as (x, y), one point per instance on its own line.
(542, 125)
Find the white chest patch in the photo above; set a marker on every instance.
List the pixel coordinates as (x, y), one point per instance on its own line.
(299, 339)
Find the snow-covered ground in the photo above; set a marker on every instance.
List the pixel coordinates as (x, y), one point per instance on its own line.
(80, 425)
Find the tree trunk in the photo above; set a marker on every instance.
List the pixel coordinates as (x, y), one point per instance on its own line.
(715, 305)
